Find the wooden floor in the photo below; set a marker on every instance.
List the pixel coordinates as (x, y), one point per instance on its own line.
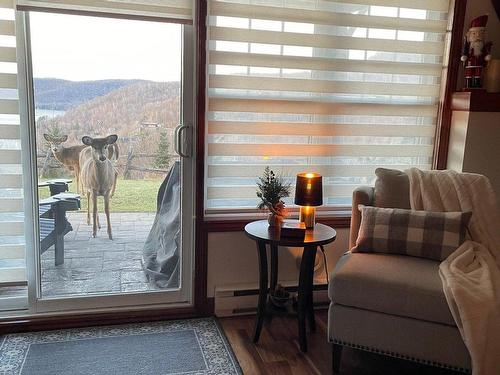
(278, 351)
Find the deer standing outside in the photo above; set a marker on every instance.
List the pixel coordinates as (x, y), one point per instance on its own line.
(68, 156)
(98, 176)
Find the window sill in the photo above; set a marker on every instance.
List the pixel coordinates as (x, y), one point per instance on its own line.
(238, 224)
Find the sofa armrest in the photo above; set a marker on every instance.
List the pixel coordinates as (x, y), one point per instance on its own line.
(361, 195)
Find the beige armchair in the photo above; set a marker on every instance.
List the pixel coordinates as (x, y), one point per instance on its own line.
(391, 304)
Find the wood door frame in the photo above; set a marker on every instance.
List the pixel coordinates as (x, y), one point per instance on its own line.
(203, 305)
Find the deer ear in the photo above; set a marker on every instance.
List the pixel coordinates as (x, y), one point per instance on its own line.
(110, 139)
(63, 138)
(47, 137)
(87, 140)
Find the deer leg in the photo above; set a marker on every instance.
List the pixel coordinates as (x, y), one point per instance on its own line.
(81, 187)
(97, 214)
(77, 178)
(94, 212)
(114, 185)
(88, 207)
(106, 210)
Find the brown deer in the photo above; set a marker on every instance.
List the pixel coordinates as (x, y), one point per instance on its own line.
(70, 156)
(98, 176)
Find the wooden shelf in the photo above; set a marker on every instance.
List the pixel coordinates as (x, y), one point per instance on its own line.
(476, 101)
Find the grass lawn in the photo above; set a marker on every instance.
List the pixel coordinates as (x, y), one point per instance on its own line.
(130, 196)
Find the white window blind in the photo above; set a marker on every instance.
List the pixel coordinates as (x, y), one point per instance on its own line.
(173, 10)
(12, 253)
(335, 87)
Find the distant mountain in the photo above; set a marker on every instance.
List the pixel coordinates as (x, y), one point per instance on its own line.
(60, 94)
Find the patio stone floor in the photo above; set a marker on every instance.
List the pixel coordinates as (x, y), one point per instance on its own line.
(99, 265)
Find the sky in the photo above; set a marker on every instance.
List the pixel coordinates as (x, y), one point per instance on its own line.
(82, 48)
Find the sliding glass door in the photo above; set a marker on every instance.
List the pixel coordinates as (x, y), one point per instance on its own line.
(109, 192)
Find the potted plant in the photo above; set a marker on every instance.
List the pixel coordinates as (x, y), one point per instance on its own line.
(271, 190)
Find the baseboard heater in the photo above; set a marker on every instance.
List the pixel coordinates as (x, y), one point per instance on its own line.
(242, 299)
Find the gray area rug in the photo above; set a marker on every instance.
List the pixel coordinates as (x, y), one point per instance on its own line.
(195, 346)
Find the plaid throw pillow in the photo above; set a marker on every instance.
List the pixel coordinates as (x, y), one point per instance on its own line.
(432, 235)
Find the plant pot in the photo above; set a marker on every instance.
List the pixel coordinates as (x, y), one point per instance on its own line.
(275, 220)
(279, 301)
(279, 297)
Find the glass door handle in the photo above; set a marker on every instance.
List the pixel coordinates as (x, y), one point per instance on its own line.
(182, 140)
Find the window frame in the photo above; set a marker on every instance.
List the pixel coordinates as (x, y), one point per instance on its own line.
(339, 217)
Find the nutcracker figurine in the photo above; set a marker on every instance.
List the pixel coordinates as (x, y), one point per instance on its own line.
(476, 53)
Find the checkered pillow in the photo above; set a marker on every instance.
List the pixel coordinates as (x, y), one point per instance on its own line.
(432, 235)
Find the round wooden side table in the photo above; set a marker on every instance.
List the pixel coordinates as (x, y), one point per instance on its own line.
(264, 235)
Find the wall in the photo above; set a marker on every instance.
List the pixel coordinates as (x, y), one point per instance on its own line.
(483, 145)
(475, 145)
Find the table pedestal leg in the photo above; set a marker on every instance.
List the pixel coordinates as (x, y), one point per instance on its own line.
(274, 268)
(263, 285)
(274, 275)
(310, 282)
(305, 292)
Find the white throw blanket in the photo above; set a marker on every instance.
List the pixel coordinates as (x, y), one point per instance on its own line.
(470, 275)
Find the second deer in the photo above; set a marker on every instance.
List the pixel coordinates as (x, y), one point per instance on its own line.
(68, 156)
(98, 176)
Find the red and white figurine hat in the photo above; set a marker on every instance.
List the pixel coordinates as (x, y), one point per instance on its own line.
(479, 22)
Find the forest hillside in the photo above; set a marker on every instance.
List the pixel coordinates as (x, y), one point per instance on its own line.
(142, 113)
(125, 111)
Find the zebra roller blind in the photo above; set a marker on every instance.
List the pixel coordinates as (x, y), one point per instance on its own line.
(12, 251)
(335, 87)
(174, 10)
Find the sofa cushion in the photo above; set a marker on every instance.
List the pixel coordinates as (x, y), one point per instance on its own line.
(392, 188)
(393, 284)
(426, 234)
